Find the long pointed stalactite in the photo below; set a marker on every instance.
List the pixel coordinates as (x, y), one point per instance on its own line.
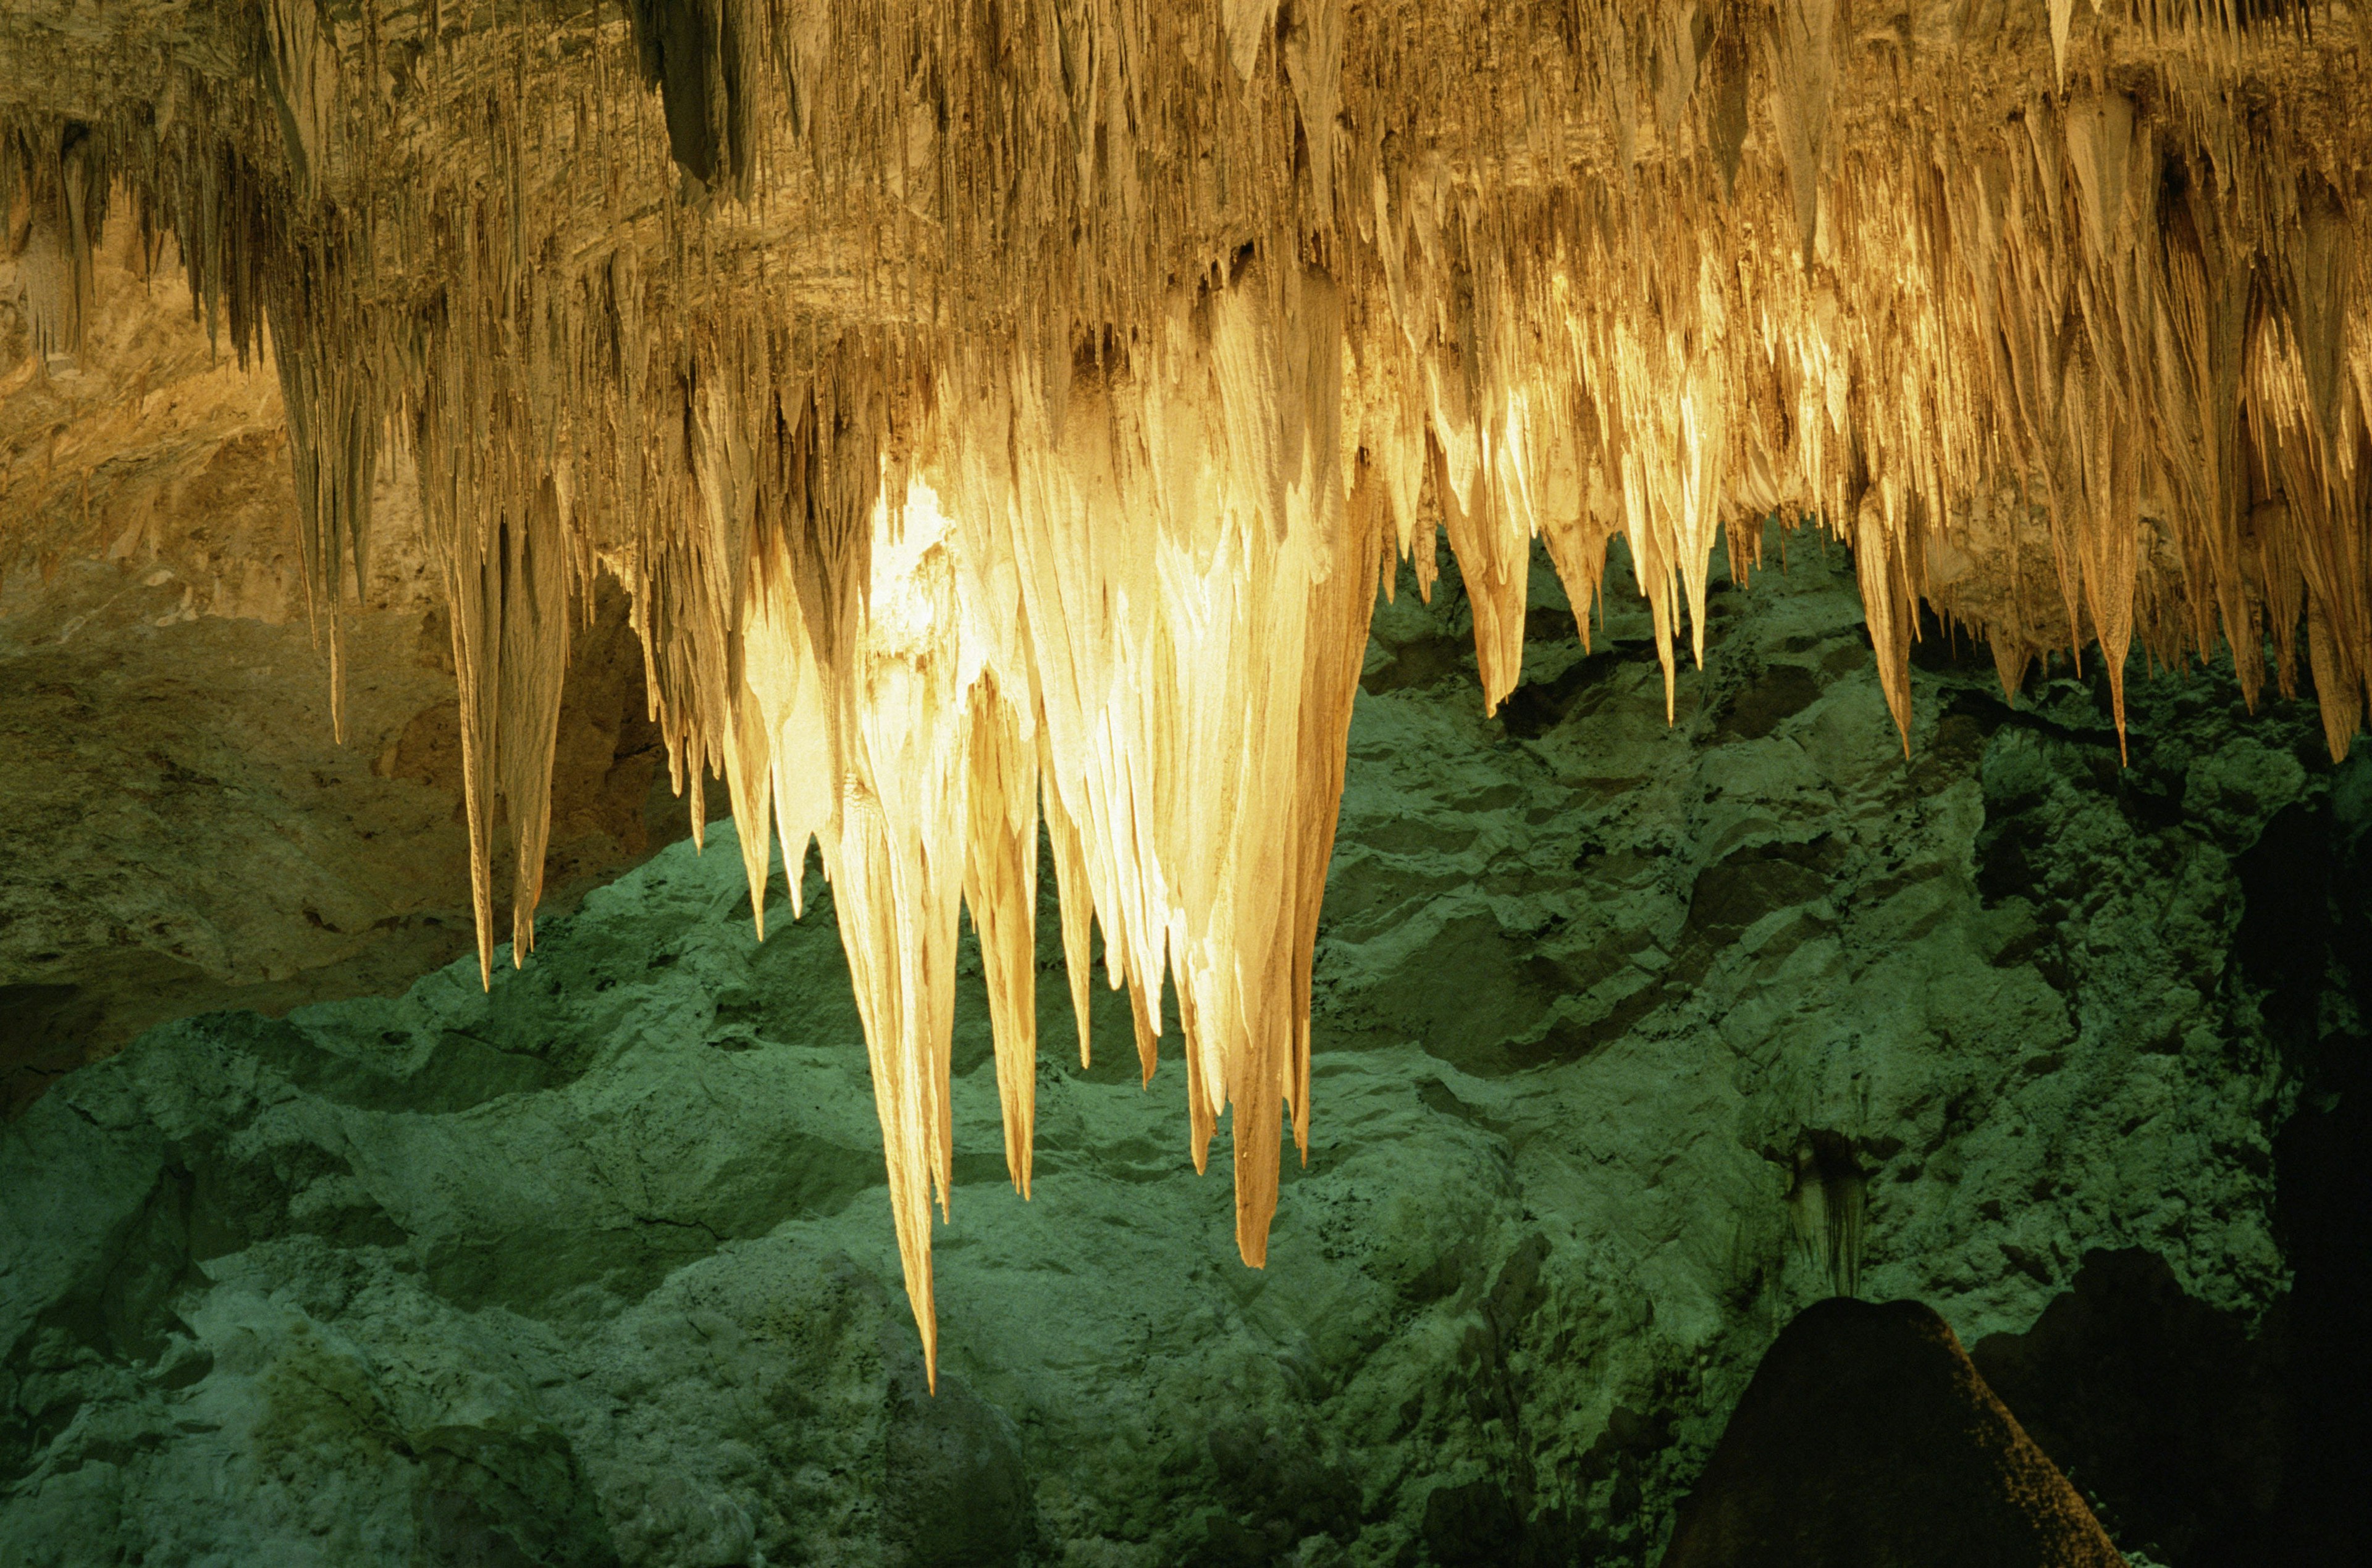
(1002, 414)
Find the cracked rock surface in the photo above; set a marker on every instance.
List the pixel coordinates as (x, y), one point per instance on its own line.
(1632, 1040)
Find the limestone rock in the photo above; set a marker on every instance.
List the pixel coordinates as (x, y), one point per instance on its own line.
(1631, 1041)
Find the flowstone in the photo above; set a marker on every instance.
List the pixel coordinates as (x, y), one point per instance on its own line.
(1631, 1041)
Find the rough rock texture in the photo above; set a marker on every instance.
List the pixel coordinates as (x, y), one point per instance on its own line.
(1632, 1041)
(183, 832)
(1867, 1440)
(2218, 1446)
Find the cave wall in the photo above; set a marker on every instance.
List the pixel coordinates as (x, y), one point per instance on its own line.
(1632, 1039)
(185, 829)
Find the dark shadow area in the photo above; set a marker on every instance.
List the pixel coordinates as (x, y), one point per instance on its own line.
(2163, 1410)
(1867, 1438)
(42, 1030)
(2202, 1443)
(612, 809)
(2306, 940)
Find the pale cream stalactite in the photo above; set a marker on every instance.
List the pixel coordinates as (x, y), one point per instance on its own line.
(895, 853)
(510, 605)
(1077, 908)
(299, 69)
(1001, 889)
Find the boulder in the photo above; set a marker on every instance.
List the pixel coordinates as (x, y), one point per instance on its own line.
(1867, 1440)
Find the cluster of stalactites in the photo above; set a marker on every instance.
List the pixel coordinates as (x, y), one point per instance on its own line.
(1005, 424)
(2071, 380)
(930, 652)
(54, 190)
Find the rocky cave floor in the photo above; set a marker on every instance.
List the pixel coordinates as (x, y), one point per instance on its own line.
(1632, 1041)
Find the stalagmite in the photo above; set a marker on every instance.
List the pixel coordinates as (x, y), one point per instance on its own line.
(1003, 417)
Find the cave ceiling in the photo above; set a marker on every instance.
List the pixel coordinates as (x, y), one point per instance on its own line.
(1005, 413)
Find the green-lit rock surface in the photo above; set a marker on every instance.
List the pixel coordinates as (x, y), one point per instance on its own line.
(1631, 1041)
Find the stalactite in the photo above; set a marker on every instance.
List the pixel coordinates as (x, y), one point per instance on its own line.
(1000, 888)
(1004, 419)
